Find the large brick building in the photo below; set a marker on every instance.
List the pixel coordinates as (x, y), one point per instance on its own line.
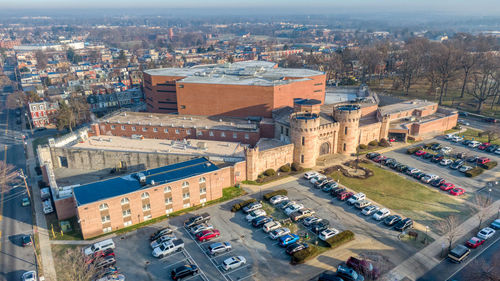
(248, 88)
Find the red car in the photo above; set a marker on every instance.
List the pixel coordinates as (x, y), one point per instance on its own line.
(364, 267)
(474, 242)
(420, 153)
(344, 195)
(447, 186)
(100, 255)
(457, 191)
(484, 145)
(206, 235)
(483, 160)
(379, 158)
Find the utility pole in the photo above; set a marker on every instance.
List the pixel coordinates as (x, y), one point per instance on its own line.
(21, 174)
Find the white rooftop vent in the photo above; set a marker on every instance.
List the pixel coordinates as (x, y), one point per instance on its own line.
(191, 118)
(220, 120)
(171, 125)
(183, 118)
(206, 127)
(249, 122)
(128, 122)
(150, 115)
(153, 182)
(182, 125)
(118, 122)
(124, 113)
(161, 124)
(149, 123)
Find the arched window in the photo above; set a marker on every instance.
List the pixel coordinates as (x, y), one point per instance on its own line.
(103, 206)
(185, 184)
(167, 189)
(125, 201)
(202, 180)
(145, 195)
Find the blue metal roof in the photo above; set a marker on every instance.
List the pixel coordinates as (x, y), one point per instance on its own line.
(97, 191)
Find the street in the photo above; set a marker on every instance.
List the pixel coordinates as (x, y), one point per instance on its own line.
(15, 220)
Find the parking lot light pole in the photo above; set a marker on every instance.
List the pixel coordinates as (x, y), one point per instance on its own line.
(489, 193)
(426, 234)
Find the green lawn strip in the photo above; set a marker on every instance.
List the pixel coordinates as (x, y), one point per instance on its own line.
(227, 194)
(267, 179)
(55, 229)
(406, 197)
(58, 253)
(419, 242)
(474, 134)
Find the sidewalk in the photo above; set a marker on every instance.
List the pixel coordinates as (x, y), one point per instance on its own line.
(429, 257)
(47, 261)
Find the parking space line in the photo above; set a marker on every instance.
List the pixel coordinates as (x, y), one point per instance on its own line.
(172, 255)
(248, 276)
(238, 269)
(170, 265)
(203, 251)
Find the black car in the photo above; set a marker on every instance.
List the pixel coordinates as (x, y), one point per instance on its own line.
(372, 155)
(282, 203)
(463, 114)
(436, 147)
(319, 226)
(404, 224)
(391, 220)
(329, 275)
(472, 159)
(402, 168)
(461, 155)
(437, 158)
(457, 164)
(183, 271)
(394, 165)
(337, 191)
(295, 247)
(26, 240)
(437, 182)
(418, 175)
(388, 161)
(490, 120)
(259, 221)
(492, 148)
(160, 233)
(429, 156)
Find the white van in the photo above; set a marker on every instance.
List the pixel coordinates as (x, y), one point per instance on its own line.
(47, 206)
(45, 193)
(99, 246)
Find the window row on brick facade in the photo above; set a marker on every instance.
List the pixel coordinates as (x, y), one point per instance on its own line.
(177, 131)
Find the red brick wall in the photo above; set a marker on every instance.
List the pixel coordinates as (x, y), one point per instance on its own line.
(266, 130)
(106, 128)
(309, 89)
(65, 208)
(160, 98)
(435, 126)
(369, 111)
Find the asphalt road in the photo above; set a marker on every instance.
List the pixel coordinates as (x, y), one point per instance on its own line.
(15, 219)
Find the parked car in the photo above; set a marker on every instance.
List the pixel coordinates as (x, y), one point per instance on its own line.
(457, 139)
(484, 145)
(379, 158)
(486, 233)
(218, 248)
(319, 226)
(369, 210)
(105, 262)
(495, 224)
(458, 254)
(461, 155)
(29, 276)
(474, 144)
(277, 233)
(445, 162)
(428, 178)
(402, 225)
(457, 191)
(402, 168)
(457, 164)
(310, 220)
(344, 195)
(429, 156)
(252, 207)
(260, 221)
(474, 242)
(288, 239)
(497, 151)
(419, 175)
(356, 197)
(329, 186)
(161, 240)
(98, 246)
(168, 248)
(336, 191)
(270, 226)
(372, 155)
(327, 233)
(412, 171)
(197, 220)
(277, 199)
(26, 240)
(436, 146)
(317, 178)
(283, 203)
(437, 158)
(161, 232)
(492, 148)
(490, 120)
(437, 182)
(446, 150)
(309, 175)
(447, 186)
(302, 213)
(254, 214)
(184, 271)
(207, 235)
(329, 275)
(381, 214)
(350, 274)
(323, 182)
(449, 136)
(364, 267)
(296, 247)
(293, 208)
(112, 277)
(200, 227)
(233, 262)
(464, 168)
(483, 160)
(472, 159)
(420, 153)
(392, 220)
(286, 204)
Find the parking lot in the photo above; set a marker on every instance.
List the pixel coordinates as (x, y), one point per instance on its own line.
(453, 176)
(266, 260)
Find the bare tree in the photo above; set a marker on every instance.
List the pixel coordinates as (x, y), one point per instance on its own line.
(485, 80)
(466, 61)
(41, 60)
(484, 270)
(75, 266)
(482, 203)
(444, 62)
(66, 117)
(448, 227)
(370, 59)
(411, 62)
(17, 99)
(8, 176)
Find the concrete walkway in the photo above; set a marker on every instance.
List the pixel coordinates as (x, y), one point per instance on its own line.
(430, 256)
(47, 261)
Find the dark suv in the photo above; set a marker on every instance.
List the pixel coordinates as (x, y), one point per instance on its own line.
(404, 224)
(183, 271)
(197, 220)
(319, 226)
(437, 158)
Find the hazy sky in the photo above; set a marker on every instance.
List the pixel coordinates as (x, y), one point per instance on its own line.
(464, 7)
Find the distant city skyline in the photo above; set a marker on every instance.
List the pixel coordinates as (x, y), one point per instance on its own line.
(464, 7)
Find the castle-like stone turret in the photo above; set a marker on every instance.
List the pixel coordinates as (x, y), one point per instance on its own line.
(347, 116)
(304, 125)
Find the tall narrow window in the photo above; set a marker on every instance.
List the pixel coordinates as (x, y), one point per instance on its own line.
(303, 140)
(301, 158)
(344, 147)
(345, 130)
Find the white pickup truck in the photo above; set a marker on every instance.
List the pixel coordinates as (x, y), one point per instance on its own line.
(47, 206)
(168, 248)
(356, 197)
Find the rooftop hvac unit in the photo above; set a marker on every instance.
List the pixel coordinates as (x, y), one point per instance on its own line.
(150, 115)
(152, 182)
(119, 122)
(124, 113)
(220, 120)
(172, 125)
(149, 123)
(128, 122)
(141, 177)
(201, 145)
(191, 118)
(206, 127)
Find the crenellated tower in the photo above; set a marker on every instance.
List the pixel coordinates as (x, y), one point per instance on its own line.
(304, 125)
(347, 115)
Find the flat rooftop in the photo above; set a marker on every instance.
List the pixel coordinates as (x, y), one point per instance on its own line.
(260, 73)
(404, 106)
(119, 186)
(189, 147)
(184, 121)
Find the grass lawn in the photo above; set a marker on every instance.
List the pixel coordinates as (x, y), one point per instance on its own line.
(474, 134)
(406, 197)
(58, 253)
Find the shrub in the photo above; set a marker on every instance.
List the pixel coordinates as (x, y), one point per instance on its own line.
(304, 255)
(474, 172)
(384, 143)
(271, 194)
(270, 172)
(236, 207)
(373, 143)
(285, 168)
(412, 150)
(489, 165)
(296, 167)
(363, 146)
(339, 239)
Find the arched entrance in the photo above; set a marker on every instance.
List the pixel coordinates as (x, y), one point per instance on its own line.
(324, 148)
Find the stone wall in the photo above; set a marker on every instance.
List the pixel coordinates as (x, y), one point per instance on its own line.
(369, 133)
(259, 161)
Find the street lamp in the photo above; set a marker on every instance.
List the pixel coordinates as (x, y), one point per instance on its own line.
(426, 233)
(489, 193)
